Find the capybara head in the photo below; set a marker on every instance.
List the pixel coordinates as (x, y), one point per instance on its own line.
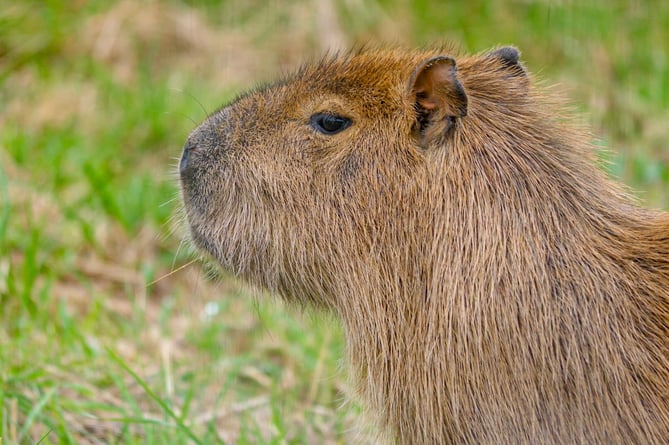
(494, 285)
(335, 174)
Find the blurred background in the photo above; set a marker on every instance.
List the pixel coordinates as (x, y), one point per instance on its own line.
(111, 329)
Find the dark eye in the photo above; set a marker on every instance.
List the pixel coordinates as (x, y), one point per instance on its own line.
(329, 123)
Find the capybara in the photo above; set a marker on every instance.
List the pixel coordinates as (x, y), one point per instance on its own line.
(494, 285)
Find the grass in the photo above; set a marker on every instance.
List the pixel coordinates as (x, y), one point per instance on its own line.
(109, 333)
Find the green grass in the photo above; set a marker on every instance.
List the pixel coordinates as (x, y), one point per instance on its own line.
(107, 333)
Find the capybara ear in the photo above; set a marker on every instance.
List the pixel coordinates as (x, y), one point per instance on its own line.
(510, 58)
(439, 98)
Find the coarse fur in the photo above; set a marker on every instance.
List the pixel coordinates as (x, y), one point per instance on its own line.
(495, 286)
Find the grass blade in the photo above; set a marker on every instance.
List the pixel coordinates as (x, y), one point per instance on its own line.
(177, 420)
(35, 411)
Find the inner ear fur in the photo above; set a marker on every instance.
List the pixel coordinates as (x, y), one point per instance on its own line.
(438, 96)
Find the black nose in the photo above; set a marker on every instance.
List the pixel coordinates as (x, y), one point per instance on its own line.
(185, 156)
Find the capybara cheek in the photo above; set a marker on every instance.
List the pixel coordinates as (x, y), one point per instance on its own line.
(349, 167)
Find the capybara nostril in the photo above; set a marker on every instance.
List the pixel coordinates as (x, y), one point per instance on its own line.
(189, 147)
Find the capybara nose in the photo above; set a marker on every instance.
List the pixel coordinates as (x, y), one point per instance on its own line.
(184, 164)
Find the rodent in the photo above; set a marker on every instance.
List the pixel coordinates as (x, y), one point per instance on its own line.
(494, 285)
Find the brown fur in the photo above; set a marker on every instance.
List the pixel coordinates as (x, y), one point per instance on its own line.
(494, 285)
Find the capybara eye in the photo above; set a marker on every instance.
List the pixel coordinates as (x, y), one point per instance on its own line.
(329, 123)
